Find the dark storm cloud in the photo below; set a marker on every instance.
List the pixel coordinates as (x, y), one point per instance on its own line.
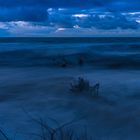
(49, 3)
(35, 10)
(73, 3)
(23, 14)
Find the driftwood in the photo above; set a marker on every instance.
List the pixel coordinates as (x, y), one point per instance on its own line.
(83, 86)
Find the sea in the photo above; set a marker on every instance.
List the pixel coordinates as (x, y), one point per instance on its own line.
(101, 53)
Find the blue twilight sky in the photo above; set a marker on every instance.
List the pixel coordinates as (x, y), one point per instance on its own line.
(69, 18)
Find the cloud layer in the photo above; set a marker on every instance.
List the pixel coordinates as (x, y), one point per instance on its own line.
(75, 17)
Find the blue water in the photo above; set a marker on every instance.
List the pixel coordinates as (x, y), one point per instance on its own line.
(110, 53)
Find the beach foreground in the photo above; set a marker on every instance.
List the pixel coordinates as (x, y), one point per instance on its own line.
(44, 93)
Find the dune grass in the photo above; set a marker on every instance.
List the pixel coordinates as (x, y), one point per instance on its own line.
(82, 86)
(62, 132)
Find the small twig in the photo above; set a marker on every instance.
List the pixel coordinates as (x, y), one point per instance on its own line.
(4, 135)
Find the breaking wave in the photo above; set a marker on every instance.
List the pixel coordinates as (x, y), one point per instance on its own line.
(96, 53)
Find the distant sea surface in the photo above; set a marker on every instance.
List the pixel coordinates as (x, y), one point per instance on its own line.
(109, 53)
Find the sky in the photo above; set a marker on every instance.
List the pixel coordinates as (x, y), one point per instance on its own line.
(69, 18)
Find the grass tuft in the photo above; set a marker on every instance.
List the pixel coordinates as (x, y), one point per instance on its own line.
(83, 86)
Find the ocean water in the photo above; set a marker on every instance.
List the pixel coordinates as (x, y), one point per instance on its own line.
(109, 53)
